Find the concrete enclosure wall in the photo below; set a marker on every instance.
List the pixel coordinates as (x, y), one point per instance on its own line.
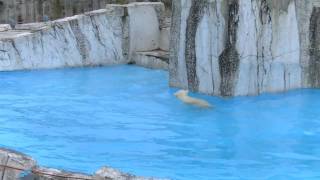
(101, 37)
(91, 39)
(241, 47)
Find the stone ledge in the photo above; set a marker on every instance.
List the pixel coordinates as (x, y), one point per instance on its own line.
(116, 9)
(96, 12)
(13, 34)
(122, 9)
(157, 59)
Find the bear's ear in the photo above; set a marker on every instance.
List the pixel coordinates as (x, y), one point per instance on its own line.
(177, 93)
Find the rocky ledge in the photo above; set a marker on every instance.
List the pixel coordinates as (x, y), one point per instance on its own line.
(15, 165)
(157, 59)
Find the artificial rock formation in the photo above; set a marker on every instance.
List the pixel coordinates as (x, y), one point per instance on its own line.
(95, 38)
(149, 32)
(245, 47)
(103, 37)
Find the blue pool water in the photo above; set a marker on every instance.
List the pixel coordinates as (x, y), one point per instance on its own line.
(127, 117)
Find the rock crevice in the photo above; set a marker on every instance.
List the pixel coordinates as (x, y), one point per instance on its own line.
(229, 59)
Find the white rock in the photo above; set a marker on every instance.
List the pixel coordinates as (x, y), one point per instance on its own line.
(5, 27)
(92, 39)
(272, 45)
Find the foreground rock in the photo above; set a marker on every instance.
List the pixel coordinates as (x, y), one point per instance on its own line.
(241, 47)
(107, 173)
(15, 165)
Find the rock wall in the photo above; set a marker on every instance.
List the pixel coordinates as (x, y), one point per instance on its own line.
(241, 47)
(148, 34)
(95, 38)
(144, 30)
(102, 37)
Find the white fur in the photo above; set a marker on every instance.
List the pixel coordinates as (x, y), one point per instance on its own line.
(184, 97)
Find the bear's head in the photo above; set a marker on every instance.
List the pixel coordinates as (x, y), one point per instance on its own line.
(181, 93)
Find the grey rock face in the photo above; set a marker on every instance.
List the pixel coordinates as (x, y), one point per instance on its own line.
(81, 39)
(103, 37)
(177, 66)
(229, 58)
(241, 47)
(13, 164)
(197, 11)
(314, 63)
(91, 39)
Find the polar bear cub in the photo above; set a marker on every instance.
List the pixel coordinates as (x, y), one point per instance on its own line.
(184, 97)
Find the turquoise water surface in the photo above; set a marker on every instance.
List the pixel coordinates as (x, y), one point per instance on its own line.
(128, 118)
